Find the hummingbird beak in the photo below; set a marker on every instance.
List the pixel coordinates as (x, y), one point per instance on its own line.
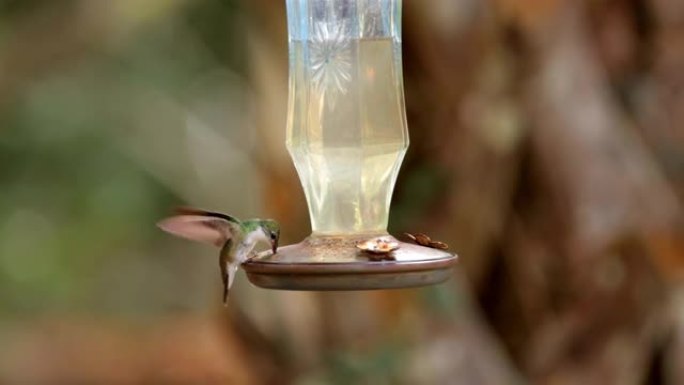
(274, 246)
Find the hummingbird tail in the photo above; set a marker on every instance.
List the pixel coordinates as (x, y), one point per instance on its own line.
(226, 289)
(228, 278)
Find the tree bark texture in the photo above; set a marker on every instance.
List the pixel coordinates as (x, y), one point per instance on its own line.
(547, 149)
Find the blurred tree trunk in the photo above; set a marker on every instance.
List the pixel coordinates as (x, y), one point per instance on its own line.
(545, 150)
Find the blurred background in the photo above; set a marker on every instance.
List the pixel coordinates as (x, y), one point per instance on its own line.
(547, 148)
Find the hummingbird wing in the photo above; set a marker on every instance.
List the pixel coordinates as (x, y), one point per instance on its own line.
(202, 226)
(194, 211)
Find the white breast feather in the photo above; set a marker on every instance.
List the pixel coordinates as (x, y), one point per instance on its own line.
(249, 242)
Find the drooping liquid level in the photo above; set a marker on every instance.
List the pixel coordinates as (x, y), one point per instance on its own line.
(346, 129)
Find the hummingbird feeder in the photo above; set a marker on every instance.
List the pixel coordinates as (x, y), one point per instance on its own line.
(347, 136)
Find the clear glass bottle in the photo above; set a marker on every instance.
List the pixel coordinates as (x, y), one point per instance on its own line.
(346, 128)
(347, 135)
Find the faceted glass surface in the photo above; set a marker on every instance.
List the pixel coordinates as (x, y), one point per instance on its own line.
(346, 129)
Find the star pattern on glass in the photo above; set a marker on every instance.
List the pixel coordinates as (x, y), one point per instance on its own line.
(331, 58)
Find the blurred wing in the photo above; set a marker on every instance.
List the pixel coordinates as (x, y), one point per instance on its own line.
(194, 211)
(202, 228)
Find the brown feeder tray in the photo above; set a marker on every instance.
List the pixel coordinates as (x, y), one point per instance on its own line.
(334, 263)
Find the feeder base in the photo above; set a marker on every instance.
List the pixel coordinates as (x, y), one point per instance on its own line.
(334, 263)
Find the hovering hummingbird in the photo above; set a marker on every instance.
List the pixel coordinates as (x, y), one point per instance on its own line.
(236, 238)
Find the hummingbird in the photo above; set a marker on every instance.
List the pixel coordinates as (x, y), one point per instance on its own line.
(235, 238)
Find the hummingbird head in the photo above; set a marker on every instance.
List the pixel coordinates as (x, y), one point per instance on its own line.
(272, 230)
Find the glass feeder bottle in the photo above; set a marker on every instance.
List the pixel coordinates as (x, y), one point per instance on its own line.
(347, 136)
(346, 128)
